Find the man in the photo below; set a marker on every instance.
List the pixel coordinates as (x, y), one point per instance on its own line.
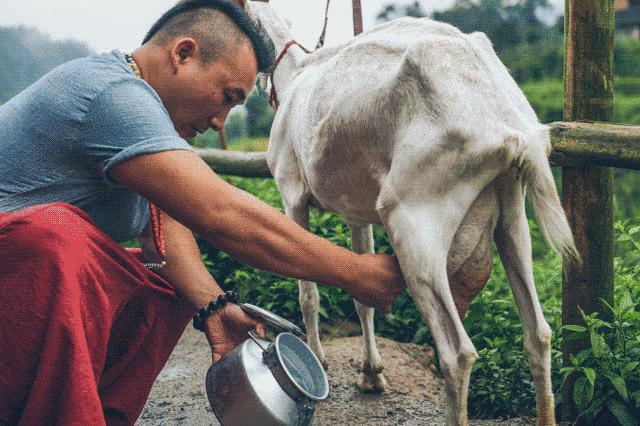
(84, 327)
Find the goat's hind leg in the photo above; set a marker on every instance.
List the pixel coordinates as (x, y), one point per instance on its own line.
(421, 241)
(514, 245)
(371, 378)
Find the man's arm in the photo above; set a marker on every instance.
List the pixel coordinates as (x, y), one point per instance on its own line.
(228, 326)
(182, 185)
(184, 269)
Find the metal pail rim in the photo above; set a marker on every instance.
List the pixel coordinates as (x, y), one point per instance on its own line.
(292, 342)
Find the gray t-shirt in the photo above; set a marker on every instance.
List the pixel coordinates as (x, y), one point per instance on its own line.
(61, 135)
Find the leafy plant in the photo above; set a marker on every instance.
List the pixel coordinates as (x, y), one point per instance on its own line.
(607, 369)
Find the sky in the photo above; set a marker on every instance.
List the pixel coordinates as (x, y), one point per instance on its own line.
(121, 24)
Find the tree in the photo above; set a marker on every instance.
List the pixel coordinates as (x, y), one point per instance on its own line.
(391, 11)
(26, 54)
(507, 24)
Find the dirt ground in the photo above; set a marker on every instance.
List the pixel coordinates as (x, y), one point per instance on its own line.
(415, 395)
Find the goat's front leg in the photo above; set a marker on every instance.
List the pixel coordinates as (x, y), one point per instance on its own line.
(308, 296)
(514, 245)
(371, 378)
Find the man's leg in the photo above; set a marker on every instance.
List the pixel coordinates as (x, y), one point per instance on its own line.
(64, 286)
(142, 338)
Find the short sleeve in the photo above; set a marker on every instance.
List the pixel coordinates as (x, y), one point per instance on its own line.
(125, 120)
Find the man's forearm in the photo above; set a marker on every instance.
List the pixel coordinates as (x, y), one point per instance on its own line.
(261, 236)
(184, 268)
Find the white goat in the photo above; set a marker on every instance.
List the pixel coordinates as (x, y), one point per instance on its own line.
(420, 127)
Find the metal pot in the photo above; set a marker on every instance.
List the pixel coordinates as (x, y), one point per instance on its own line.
(267, 383)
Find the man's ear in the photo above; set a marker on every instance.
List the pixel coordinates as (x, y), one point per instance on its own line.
(183, 50)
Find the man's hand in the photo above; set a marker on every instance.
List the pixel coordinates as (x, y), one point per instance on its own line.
(227, 328)
(380, 284)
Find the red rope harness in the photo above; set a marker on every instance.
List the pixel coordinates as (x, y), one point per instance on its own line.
(273, 96)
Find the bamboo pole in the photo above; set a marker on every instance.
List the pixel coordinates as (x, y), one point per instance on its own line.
(574, 144)
(587, 189)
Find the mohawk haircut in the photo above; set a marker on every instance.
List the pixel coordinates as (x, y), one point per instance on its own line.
(217, 26)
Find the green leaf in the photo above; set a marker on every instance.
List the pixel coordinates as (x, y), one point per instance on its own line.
(582, 393)
(591, 375)
(630, 367)
(626, 303)
(621, 413)
(623, 238)
(600, 347)
(620, 385)
(573, 327)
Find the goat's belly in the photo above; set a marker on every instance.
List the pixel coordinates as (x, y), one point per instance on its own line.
(355, 201)
(347, 177)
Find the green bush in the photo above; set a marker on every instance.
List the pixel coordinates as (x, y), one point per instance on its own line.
(544, 59)
(608, 373)
(607, 370)
(547, 99)
(626, 57)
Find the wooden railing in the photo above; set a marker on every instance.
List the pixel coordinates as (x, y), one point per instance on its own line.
(574, 144)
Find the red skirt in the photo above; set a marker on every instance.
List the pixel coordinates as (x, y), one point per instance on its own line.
(85, 328)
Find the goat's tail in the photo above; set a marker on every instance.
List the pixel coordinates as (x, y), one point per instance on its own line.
(542, 191)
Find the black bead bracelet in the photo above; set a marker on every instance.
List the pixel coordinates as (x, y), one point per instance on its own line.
(204, 313)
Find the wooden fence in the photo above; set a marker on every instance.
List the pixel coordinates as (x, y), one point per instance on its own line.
(574, 144)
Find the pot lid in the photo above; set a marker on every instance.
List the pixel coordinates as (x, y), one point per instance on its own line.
(276, 322)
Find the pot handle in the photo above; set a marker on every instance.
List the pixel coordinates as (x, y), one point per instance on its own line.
(256, 339)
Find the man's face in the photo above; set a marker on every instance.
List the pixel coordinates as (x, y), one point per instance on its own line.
(200, 96)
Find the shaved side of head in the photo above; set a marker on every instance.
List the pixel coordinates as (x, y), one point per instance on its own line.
(216, 35)
(219, 27)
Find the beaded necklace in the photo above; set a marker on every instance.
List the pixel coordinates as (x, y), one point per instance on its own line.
(155, 213)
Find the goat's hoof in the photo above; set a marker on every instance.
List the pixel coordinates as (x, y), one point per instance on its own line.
(325, 364)
(372, 384)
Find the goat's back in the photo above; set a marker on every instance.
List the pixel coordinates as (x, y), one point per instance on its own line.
(346, 107)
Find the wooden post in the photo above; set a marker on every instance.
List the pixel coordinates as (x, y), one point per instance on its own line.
(587, 190)
(357, 17)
